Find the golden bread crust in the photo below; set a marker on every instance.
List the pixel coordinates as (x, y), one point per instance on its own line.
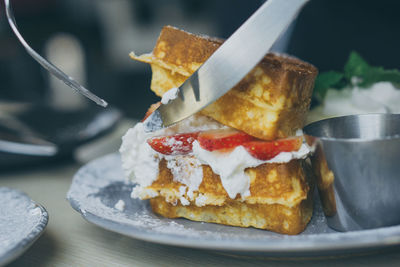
(275, 217)
(270, 102)
(180, 48)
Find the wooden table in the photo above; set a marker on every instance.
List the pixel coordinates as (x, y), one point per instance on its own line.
(71, 241)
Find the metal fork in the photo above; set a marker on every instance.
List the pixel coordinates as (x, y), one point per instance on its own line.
(48, 65)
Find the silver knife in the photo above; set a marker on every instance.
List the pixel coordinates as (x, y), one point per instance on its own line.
(229, 64)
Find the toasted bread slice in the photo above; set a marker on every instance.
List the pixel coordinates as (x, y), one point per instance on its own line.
(279, 199)
(270, 102)
(272, 183)
(273, 217)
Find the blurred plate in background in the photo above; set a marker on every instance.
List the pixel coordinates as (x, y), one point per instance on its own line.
(66, 129)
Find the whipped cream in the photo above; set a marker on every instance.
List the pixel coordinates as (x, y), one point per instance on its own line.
(140, 161)
(186, 170)
(381, 97)
(231, 166)
(170, 95)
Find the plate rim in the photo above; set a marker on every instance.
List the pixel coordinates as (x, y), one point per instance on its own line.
(24, 244)
(300, 243)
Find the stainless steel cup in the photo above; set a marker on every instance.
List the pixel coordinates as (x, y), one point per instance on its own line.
(356, 161)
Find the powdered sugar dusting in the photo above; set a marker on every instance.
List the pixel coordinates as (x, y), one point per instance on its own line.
(120, 205)
(93, 190)
(21, 222)
(201, 200)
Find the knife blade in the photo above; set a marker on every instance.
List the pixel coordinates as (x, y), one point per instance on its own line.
(229, 64)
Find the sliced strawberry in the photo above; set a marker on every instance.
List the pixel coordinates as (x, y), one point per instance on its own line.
(265, 150)
(222, 139)
(178, 144)
(151, 109)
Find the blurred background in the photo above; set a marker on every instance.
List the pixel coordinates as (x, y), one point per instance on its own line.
(91, 40)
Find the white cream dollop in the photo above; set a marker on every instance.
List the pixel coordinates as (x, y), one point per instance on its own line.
(230, 166)
(381, 97)
(186, 170)
(170, 95)
(139, 160)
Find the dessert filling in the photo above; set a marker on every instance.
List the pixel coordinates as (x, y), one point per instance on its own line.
(186, 153)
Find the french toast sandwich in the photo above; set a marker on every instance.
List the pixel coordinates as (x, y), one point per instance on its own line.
(236, 162)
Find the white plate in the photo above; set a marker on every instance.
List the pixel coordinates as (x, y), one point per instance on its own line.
(99, 185)
(21, 222)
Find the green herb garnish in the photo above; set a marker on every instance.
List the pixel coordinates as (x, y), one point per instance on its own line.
(356, 67)
(325, 81)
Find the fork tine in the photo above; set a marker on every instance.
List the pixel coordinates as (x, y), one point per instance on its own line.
(48, 65)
